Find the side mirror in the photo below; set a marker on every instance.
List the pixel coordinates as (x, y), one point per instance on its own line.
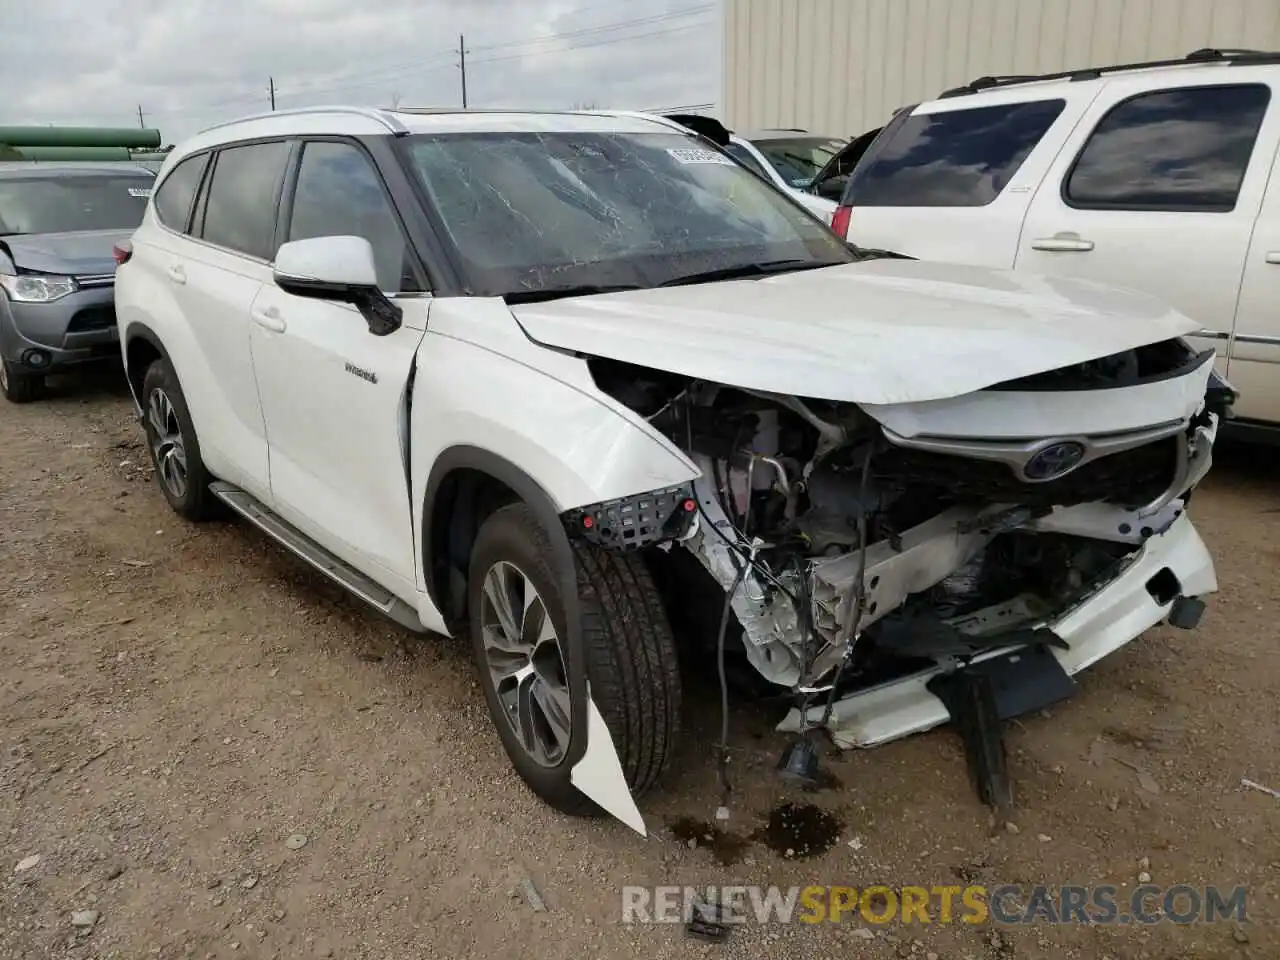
(341, 269)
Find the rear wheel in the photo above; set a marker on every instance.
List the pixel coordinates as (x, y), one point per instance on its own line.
(518, 631)
(172, 441)
(19, 386)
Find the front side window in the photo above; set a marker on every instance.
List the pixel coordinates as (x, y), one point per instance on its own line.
(1178, 150)
(798, 159)
(339, 193)
(240, 212)
(65, 204)
(529, 212)
(174, 198)
(957, 158)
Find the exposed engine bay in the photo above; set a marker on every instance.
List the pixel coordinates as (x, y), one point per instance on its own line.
(852, 555)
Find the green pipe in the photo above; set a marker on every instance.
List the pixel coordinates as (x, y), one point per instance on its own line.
(135, 137)
(8, 152)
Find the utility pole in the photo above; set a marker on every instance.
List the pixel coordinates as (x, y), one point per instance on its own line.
(271, 86)
(462, 63)
(141, 120)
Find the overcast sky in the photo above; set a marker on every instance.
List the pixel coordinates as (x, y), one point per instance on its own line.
(190, 63)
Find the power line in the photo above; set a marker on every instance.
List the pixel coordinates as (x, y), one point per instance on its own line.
(597, 43)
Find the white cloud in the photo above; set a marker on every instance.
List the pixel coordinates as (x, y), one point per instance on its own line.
(196, 62)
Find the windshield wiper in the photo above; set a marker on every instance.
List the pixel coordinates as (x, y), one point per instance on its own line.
(556, 293)
(744, 270)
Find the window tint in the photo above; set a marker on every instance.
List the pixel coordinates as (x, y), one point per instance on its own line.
(240, 213)
(339, 193)
(1171, 150)
(173, 199)
(960, 158)
(744, 157)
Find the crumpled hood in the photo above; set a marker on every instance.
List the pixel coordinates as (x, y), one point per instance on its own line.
(80, 254)
(881, 331)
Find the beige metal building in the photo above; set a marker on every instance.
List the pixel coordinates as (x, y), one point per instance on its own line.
(841, 66)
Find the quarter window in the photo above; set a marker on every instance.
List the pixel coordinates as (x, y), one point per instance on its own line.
(240, 213)
(1182, 150)
(173, 199)
(339, 193)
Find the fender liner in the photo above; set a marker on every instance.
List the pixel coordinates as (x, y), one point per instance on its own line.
(595, 768)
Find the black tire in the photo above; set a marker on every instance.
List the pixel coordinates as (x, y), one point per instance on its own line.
(630, 654)
(19, 386)
(192, 499)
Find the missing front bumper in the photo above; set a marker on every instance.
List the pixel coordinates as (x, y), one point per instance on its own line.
(1117, 613)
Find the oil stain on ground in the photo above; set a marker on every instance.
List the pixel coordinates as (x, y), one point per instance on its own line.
(727, 847)
(799, 831)
(794, 831)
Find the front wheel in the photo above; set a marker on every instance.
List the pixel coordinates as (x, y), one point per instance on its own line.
(518, 631)
(17, 385)
(172, 441)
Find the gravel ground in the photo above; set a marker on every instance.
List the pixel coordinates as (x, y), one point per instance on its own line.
(207, 751)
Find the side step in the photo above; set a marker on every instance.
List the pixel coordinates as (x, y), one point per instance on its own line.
(303, 546)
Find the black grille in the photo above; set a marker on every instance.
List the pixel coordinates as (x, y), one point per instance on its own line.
(1130, 478)
(92, 318)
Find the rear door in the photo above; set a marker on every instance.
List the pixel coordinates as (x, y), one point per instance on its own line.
(1158, 190)
(214, 277)
(1254, 365)
(952, 180)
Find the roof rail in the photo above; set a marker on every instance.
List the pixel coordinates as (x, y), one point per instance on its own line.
(384, 117)
(1230, 57)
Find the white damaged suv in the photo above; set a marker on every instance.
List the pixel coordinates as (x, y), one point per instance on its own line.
(582, 388)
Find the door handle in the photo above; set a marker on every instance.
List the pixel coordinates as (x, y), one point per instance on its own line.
(270, 319)
(1273, 256)
(1063, 243)
(177, 274)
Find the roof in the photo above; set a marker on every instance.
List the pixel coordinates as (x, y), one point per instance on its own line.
(763, 136)
(52, 169)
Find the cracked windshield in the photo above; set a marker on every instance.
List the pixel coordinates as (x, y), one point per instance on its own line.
(532, 214)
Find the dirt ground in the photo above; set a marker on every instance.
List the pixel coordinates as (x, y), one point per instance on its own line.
(181, 707)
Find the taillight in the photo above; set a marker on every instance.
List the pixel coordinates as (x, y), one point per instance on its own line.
(122, 251)
(840, 221)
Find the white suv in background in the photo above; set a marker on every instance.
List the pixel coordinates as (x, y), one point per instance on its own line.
(576, 385)
(1161, 177)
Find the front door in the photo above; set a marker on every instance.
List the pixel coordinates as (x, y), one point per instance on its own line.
(1254, 367)
(333, 394)
(1158, 190)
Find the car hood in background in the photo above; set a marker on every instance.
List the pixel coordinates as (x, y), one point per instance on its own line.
(882, 331)
(80, 254)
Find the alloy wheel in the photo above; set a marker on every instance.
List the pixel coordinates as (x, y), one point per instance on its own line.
(167, 446)
(526, 663)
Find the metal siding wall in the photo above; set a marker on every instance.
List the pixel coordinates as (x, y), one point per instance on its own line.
(842, 66)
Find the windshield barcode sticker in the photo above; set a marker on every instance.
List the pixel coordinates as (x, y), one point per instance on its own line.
(139, 192)
(698, 155)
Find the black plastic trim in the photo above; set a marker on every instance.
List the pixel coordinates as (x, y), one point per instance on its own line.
(634, 522)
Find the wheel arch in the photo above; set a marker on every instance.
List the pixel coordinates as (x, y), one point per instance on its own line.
(142, 347)
(465, 485)
(466, 471)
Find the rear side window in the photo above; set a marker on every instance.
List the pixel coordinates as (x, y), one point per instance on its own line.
(173, 199)
(240, 213)
(959, 158)
(1183, 150)
(339, 193)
